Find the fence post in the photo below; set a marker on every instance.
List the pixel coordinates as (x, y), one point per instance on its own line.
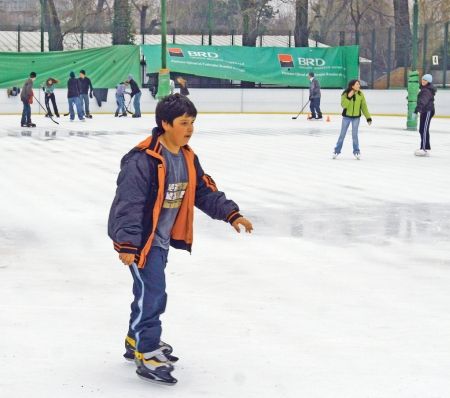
(445, 63)
(389, 58)
(261, 40)
(289, 39)
(342, 38)
(203, 38)
(82, 38)
(425, 39)
(18, 38)
(173, 36)
(232, 37)
(372, 70)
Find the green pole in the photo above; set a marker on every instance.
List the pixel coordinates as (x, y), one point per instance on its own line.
(164, 73)
(413, 75)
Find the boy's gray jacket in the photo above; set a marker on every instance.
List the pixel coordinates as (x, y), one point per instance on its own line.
(27, 90)
(140, 195)
(314, 89)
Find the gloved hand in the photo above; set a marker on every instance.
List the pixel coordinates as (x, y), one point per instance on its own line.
(369, 121)
(90, 95)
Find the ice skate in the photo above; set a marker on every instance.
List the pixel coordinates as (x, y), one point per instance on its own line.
(421, 152)
(335, 155)
(357, 156)
(154, 367)
(130, 348)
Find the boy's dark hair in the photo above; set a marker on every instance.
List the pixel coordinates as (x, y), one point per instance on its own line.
(82, 71)
(311, 74)
(33, 74)
(171, 107)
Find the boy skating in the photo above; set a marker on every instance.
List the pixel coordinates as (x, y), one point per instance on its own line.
(160, 181)
(86, 88)
(26, 96)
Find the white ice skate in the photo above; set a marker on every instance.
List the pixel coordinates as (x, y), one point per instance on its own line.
(357, 156)
(421, 152)
(335, 155)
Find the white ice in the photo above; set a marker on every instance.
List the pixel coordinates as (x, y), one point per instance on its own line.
(341, 292)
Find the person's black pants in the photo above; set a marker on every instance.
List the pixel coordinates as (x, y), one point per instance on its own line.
(424, 129)
(47, 104)
(314, 106)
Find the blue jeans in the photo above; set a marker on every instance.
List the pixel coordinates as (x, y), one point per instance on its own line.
(344, 127)
(314, 106)
(137, 104)
(75, 101)
(84, 98)
(26, 113)
(150, 298)
(120, 99)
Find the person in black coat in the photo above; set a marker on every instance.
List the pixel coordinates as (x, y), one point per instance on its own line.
(73, 96)
(86, 88)
(136, 94)
(425, 106)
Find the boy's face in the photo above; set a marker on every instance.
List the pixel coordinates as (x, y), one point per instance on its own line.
(180, 131)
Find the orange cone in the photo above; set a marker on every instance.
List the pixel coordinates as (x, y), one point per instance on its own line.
(328, 118)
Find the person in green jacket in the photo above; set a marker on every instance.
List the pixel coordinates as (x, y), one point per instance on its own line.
(354, 103)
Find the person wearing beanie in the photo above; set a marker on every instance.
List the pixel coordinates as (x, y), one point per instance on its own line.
(86, 88)
(136, 93)
(314, 97)
(26, 97)
(425, 106)
(73, 96)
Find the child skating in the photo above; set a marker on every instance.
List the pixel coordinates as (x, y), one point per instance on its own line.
(425, 106)
(160, 181)
(353, 103)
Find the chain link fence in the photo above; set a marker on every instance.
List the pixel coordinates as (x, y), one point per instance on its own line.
(380, 66)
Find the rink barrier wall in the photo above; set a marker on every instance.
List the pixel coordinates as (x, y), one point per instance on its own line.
(380, 102)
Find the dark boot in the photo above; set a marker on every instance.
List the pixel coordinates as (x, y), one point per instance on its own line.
(124, 114)
(116, 114)
(31, 124)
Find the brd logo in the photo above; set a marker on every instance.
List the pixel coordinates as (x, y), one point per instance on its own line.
(204, 54)
(311, 61)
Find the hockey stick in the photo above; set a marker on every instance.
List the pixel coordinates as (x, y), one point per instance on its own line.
(295, 117)
(54, 121)
(127, 105)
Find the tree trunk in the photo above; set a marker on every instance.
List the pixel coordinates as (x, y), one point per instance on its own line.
(402, 33)
(122, 33)
(55, 38)
(301, 32)
(143, 15)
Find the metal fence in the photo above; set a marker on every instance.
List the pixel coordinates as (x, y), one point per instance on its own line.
(379, 66)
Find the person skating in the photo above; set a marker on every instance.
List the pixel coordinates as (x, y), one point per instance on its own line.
(160, 181)
(73, 96)
(26, 96)
(425, 106)
(136, 94)
(353, 103)
(120, 100)
(49, 89)
(86, 88)
(314, 97)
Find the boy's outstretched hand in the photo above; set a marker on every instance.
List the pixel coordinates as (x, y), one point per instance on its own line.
(245, 223)
(127, 258)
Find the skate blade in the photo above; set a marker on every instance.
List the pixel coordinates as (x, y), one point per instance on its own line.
(169, 382)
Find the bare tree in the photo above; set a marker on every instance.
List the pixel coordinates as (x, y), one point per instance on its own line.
(301, 31)
(402, 33)
(357, 11)
(122, 24)
(55, 37)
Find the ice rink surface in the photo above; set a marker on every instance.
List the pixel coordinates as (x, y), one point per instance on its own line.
(341, 292)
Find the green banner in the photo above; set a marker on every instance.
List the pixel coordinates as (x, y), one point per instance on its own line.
(104, 66)
(333, 66)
